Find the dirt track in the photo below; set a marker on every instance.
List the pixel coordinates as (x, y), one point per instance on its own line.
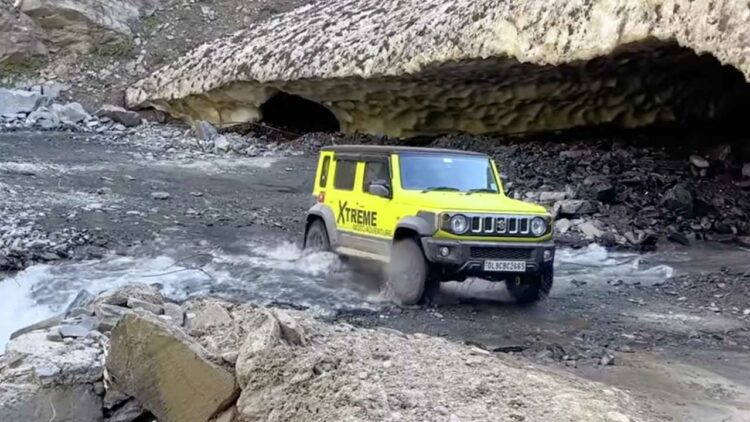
(605, 320)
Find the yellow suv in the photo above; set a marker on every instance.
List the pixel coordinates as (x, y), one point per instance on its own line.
(431, 215)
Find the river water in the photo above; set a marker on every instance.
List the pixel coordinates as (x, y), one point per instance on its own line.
(283, 274)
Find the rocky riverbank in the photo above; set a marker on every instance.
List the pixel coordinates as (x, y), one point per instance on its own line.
(629, 191)
(128, 353)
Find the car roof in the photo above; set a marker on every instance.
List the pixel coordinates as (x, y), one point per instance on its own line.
(393, 149)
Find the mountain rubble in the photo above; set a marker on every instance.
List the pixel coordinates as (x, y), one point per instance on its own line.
(106, 359)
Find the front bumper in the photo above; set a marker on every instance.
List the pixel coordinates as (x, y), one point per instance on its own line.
(467, 258)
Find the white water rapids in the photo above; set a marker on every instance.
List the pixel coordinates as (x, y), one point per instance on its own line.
(284, 274)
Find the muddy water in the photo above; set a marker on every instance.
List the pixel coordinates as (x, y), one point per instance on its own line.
(281, 273)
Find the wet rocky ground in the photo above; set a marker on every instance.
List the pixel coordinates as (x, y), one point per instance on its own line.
(155, 205)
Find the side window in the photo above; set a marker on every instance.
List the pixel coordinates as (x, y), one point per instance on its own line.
(324, 172)
(344, 178)
(375, 170)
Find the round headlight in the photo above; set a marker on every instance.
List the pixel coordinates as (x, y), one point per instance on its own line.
(459, 224)
(538, 226)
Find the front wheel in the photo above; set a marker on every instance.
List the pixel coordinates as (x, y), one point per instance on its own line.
(528, 289)
(316, 238)
(407, 272)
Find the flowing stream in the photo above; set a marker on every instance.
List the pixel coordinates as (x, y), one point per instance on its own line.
(321, 282)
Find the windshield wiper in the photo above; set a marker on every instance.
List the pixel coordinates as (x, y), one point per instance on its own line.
(440, 188)
(480, 190)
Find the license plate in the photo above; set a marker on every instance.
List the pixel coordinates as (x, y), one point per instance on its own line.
(505, 266)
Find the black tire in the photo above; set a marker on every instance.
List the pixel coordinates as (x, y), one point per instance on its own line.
(407, 272)
(316, 237)
(531, 288)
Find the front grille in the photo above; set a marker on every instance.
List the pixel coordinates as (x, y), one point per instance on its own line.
(501, 225)
(483, 252)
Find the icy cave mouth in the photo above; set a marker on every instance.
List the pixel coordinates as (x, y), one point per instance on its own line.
(638, 85)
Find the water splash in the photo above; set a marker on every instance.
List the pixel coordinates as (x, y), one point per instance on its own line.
(595, 265)
(280, 274)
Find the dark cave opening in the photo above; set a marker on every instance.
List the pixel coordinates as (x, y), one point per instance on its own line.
(297, 114)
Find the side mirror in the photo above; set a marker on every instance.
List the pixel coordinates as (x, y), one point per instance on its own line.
(380, 188)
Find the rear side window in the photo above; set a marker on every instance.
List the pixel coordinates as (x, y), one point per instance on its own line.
(324, 172)
(375, 170)
(344, 178)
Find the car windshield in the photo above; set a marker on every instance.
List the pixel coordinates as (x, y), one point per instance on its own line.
(441, 172)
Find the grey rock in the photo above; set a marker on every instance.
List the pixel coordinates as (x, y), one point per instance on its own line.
(54, 335)
(551, 197)
(113, 398)
(81, 364)
(175, 378)
(230, 357)
(746, 170)
(205, 131)
(222, 144)
(138, 291)
(47, 370)
(595, 180)
(676, 236)
(17, 101)
(128, 412)
(120, 115)
(160, 195)
(699, 162)
(155, 309)
(70, 114)
(679, 200)
(53, 90)
(210, 316)
(108, 316)
(95, 335)
(175, 313)
(73, 331)
(607, 360)
(21, 39)
(605, 192)
(562, 225)
(575, 207)
(99, 388)
(43, 118)
(35, 403)
(574, 154)
(41, 325)
(86, 321)
(590, 230)
(82, 300)
(82, 25)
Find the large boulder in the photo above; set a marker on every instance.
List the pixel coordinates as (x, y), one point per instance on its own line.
(409, 67)
(20, 38)
(14, 102)
(120, 115)
(166, 371)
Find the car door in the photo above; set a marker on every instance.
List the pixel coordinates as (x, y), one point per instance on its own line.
(341, 198)
(372, 219)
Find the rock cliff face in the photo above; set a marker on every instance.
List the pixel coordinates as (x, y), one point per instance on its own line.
(408, 67)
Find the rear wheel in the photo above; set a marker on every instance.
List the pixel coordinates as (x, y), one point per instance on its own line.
(316, 238)
(531, 288)
(407, 272)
